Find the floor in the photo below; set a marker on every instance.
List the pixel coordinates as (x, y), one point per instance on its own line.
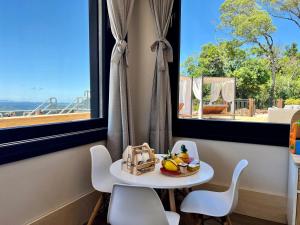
(236, 219)
(186, 219)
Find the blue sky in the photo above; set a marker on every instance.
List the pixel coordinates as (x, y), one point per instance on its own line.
(44, 44)
(201, 17)
(44, 49)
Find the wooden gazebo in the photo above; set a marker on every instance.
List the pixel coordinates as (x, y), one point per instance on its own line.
(224, 86)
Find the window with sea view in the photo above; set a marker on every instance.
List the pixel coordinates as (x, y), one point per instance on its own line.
(44, 62)
(239, 60)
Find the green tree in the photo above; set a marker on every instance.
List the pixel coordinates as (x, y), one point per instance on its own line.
(292, 50)
(288, 77)
(190, 67)
(210, 61)
(252, 78)
(232, 55)
(215, 60)
(285, 9)
(251, 24)
(228, 59)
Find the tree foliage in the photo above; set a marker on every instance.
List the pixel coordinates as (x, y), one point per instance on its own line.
(289, 74)
(292, 50)
(248, 22)
(215, 60)
(251, 78)
(230, 59)
(284, 9)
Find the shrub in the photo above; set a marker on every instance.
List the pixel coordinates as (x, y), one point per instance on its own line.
(292, 101)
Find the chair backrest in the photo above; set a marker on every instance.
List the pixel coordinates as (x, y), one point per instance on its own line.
(132, 205)
(190, 146)
(101, 161)
(233, 191)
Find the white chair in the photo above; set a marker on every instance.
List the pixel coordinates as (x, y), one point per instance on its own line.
(215, 204)
(132, 205)
(102, 181)
(190, 146)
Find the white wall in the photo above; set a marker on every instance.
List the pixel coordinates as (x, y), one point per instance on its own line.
(268, 164)
(267, 170)
(36, 186)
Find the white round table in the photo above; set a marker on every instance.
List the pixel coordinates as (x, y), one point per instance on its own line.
(157, 180)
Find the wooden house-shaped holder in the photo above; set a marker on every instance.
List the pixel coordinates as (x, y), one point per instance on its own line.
(138, 159)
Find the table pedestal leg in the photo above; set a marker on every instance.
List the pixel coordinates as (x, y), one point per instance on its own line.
(172, 200)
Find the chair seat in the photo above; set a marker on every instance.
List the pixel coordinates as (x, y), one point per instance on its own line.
(173, 218)
(105, 184)
(215, 204)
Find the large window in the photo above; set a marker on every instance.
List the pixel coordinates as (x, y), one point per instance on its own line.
(44, 62)
(54, 62)
(239, 60)
(238, 70)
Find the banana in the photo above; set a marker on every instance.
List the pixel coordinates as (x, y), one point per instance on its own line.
(170, 165)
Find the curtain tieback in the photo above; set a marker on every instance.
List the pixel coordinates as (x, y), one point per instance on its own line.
(121, 48)
(164, 49)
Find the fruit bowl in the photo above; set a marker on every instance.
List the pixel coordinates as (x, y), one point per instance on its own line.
(177, 173)
(179, 165)
(181, 169)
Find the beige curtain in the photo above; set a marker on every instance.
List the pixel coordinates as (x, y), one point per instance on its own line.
(161, 112)
(120, 125)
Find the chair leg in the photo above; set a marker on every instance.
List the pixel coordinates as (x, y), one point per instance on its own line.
(229, 220)
(202, 219)
(224, 220)
(186, 190)
(172, 200)
(95, 210)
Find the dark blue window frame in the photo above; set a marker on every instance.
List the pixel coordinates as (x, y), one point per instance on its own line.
(25, 142)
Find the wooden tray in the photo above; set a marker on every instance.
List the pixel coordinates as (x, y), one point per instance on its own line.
(177, 173)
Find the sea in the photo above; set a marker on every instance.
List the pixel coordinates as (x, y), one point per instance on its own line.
(18, 105)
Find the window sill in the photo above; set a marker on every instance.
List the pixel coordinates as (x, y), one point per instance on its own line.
(26, 142)
(233, 131)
